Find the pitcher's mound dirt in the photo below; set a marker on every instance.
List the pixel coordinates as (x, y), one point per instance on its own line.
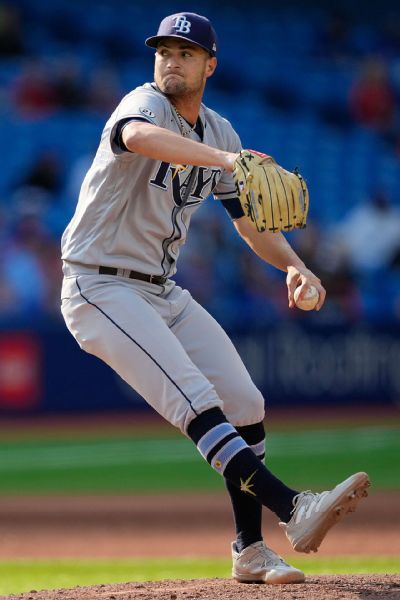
(352, 587)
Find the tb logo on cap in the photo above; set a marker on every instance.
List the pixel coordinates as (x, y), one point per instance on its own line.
(182, 25)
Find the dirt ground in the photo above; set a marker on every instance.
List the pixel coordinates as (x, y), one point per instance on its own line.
(188, 525)
(355, 587)
(182, 525)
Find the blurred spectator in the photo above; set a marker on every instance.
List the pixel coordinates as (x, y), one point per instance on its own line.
(334, 41)
(395, 262)
(69, 89)
(104, 90)
(280, 95)
(11, 34)
(369, 234)
(391, 34)
(372, 97)
(24, 267)
(40, 187)
(44, 173)
(8, 302)
(34, 91)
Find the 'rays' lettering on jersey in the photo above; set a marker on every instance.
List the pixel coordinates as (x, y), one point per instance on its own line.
(206, 181)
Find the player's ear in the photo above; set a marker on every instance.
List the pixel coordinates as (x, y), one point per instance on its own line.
(211, 66)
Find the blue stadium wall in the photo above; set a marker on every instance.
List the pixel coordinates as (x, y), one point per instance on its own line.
(44, 370)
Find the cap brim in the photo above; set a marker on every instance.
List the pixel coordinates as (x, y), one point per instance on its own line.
(153, 41)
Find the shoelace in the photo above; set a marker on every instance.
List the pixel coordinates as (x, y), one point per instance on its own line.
(269, 557)
(298, 498)
(308, 494)
(264, 558)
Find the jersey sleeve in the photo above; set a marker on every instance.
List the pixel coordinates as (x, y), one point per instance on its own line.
(117, 140)
(225, 190)
(141, 104)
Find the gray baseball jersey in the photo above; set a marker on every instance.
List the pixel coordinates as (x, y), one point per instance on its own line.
(132, 212)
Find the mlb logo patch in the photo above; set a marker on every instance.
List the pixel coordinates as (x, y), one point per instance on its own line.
(147, 112)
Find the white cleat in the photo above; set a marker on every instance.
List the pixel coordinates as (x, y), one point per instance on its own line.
(314, 514)
(259, 564)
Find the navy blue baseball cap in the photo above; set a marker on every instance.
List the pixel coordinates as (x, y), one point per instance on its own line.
(187, 26)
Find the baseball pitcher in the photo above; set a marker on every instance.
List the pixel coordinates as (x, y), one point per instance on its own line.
(161, 154)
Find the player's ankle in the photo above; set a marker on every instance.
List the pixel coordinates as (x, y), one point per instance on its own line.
(243, 540)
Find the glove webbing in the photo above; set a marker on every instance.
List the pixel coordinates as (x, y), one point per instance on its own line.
(255, 208)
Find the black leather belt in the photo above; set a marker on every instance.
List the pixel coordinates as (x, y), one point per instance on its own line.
(158, 279)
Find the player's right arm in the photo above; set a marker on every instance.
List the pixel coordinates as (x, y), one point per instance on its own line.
(274, 249)
(159, 143)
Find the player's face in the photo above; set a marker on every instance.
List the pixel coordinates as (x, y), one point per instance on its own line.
(182, 68)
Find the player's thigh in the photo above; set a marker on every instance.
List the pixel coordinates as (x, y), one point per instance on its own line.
(112, 322)
(214, 354)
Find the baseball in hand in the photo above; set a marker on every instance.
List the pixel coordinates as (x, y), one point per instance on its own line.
(309, 300)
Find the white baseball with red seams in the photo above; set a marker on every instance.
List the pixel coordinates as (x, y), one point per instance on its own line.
(309, 300)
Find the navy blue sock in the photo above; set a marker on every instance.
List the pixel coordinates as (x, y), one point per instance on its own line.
(221, 445)
(247, 512)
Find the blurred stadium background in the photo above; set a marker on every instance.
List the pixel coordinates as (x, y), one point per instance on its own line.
(315, 84)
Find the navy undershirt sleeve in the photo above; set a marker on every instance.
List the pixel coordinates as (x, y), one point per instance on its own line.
(233, 208)
(118, 132)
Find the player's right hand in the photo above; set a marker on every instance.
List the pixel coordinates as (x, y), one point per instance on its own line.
(300, 275)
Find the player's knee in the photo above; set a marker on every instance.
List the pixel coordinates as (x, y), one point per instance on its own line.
(247, 408)
(256, 407)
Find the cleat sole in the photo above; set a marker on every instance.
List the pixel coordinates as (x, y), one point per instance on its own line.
(346, 504)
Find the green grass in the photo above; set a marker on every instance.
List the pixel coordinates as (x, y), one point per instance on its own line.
(314, 458)
(25, 575)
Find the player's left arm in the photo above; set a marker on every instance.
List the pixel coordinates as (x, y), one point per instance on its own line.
(274, 249)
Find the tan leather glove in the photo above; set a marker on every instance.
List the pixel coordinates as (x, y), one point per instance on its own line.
(271, 197)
